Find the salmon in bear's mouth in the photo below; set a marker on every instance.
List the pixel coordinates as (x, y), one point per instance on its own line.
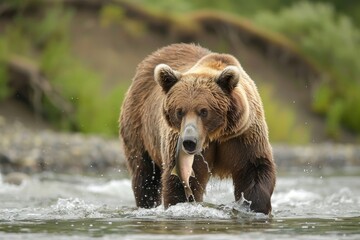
(183, 169)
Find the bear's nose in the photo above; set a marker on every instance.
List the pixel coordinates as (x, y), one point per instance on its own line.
(189, 145)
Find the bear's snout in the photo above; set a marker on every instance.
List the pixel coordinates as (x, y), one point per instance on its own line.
(190, 139)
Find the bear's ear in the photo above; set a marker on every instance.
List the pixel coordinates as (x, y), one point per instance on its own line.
(165, 76)
(228, 78)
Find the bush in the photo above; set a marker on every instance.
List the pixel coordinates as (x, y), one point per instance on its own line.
(45, 41)
(282, 120)
(4, 90)
(112, 14)
(333, 42)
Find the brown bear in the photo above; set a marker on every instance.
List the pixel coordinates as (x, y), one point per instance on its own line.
(188, 99)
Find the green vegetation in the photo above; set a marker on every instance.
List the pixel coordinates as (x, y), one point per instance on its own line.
(45, 41)
(333, 42)
(281, 119)
(241, 7)
(321, 33)
(4, 90)
(112, 14)
(245, 7)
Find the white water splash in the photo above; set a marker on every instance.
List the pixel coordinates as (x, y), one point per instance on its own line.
(181, 211)
(74, 208)
(11, 188)
(206, 163)
(343, 196)
(110, 205)
(219, 191)
(57, 199)
(114, 187)
(294, 198)
(239, 210)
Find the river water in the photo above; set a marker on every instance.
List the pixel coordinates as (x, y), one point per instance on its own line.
(306, 205)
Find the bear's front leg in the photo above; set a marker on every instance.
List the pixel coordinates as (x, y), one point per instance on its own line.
(173, 189)
(146, 181)
(256, 180)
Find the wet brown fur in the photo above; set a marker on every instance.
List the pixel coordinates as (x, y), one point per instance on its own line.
(234, 136)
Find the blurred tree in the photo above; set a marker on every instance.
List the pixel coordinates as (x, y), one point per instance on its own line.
(347, 7)
(333, 41)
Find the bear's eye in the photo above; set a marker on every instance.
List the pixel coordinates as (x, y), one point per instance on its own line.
(203, 112)
(179, 113)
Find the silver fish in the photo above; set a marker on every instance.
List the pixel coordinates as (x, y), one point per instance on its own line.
(183, 169)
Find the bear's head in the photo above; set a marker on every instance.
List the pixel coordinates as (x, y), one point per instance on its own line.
(204, 103)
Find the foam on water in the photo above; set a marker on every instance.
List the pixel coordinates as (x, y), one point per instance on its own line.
(74, 208)
(59, 200)
(317, 198)
(294, 198)
(64, 206)
(118, 189)
(196, 211)
(102, 198)
(181, 211)
(113, 187)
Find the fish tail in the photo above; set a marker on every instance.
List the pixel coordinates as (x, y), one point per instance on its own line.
(189, 194)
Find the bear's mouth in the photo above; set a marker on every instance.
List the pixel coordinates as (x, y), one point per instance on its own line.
(189, 146)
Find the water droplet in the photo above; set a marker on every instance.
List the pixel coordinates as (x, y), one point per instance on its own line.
(207, 164)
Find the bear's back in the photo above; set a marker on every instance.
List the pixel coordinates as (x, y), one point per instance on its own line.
(180, 57)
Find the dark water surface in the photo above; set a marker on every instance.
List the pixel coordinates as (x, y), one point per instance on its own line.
(305, 206)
